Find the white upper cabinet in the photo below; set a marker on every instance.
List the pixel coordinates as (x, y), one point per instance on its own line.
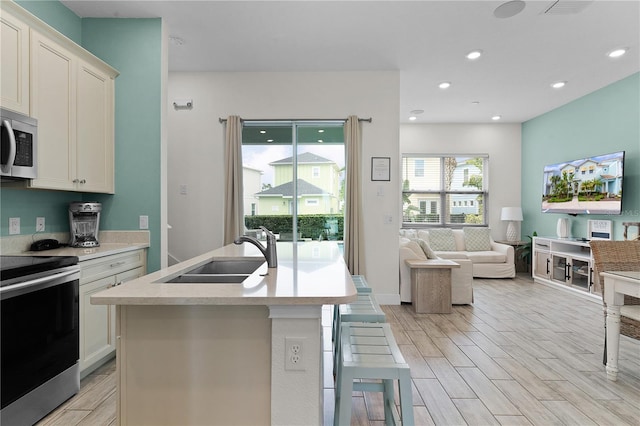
(14, 63)
(71, 94)
(53, 73)
(94, 125)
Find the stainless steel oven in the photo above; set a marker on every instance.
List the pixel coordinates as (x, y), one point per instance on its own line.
(40, 336)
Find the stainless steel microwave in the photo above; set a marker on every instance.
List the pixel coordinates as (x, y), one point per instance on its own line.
(18, 153)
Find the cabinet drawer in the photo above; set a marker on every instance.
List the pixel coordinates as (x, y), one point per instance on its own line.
(95, 269)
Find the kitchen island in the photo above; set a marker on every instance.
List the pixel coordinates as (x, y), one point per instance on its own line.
(216, 353)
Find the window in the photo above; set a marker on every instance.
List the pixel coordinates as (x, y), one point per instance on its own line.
(418, 170)
(293, 174)
(444, 190)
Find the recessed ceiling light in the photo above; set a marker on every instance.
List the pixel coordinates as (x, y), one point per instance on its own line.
(269, 140)
(320, 140)
(496, 117)
(263, 131)
(509, 9)
(475, 54)
(617, 53)
(321, 131)
(444, 85)
(558, 84)
(413, 118)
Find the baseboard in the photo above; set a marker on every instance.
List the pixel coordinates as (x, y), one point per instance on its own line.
(388, 299)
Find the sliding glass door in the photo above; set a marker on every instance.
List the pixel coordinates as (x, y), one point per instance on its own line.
(294, 178)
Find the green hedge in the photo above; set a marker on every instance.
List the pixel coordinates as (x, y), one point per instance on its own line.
(309, 226)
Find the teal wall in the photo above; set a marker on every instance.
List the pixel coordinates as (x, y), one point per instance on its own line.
(56, 15)
(133, 47)
(601, 122)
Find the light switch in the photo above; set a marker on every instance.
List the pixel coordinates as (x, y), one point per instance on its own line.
(14, 225)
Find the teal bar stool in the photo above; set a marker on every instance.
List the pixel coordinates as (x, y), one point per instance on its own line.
(369, 351)
(361, 287)
(364, 309)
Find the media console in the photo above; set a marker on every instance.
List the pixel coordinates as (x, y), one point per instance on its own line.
(564, 262)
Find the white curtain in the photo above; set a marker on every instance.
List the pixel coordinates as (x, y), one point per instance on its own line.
(353, 226)
(233, 200)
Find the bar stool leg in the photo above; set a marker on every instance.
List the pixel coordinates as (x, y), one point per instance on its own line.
(388, 401)
(342, 415)
(406, 398)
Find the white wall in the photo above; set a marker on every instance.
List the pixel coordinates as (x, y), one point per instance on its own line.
(196, 150)
(502, 142)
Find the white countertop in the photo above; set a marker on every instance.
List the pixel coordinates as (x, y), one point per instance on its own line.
(105, 249)
(308, 273)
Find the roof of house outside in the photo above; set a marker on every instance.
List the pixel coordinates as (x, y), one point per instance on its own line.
(286, 189)
(304, 158)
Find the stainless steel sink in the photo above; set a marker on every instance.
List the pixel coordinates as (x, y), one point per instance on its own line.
(209, 278)
(244, 266)
(219, 271)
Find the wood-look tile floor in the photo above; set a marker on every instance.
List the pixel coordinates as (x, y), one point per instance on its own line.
(522, 354)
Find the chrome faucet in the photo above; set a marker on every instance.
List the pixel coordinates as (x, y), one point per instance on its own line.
(269, 252)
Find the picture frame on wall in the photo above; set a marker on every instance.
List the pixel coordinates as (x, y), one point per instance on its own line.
(381, 168)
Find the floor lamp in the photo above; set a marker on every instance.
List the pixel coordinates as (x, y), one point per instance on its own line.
(513, 215)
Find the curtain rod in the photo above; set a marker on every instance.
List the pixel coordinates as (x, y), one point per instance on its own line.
(368, 120)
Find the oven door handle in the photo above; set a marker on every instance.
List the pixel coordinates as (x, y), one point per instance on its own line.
(43, 281)
(11, 158)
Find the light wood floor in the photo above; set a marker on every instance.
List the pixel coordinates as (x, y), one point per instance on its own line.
(522, 354)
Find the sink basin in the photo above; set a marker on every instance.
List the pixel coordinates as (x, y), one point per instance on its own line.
(219, 271)
(244, 266)
(209, 278)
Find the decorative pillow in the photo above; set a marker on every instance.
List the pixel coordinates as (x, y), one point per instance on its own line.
(442, 240)
(477, 239)
(415, 247)
(408, 233)
(427, 249)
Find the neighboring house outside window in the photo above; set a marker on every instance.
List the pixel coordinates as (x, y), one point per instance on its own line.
(454, 188)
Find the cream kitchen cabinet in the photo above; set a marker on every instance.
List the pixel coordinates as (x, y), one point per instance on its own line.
(73, 102)
(97, 322)
(71, 94)
(14, 62)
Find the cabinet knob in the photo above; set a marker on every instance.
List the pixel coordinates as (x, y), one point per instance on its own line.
(76, 181)
(83, 181)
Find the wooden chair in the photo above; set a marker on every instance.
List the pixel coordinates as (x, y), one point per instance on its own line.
(618, 256)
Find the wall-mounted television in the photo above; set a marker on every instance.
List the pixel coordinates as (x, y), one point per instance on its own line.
(590, 185)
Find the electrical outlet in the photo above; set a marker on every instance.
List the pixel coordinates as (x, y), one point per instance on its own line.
(144, 222)
(39, 224)
(14, 225)
(294, 353)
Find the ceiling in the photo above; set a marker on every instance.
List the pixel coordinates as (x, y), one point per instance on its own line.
(426, 41)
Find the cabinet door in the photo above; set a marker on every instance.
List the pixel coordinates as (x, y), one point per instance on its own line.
(14, 62)
(97, 328)
(580, 274)
(53, 105)
(559, 265)
(542, 265)
(94, 123)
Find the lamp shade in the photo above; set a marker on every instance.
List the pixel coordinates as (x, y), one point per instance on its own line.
(511, 213)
